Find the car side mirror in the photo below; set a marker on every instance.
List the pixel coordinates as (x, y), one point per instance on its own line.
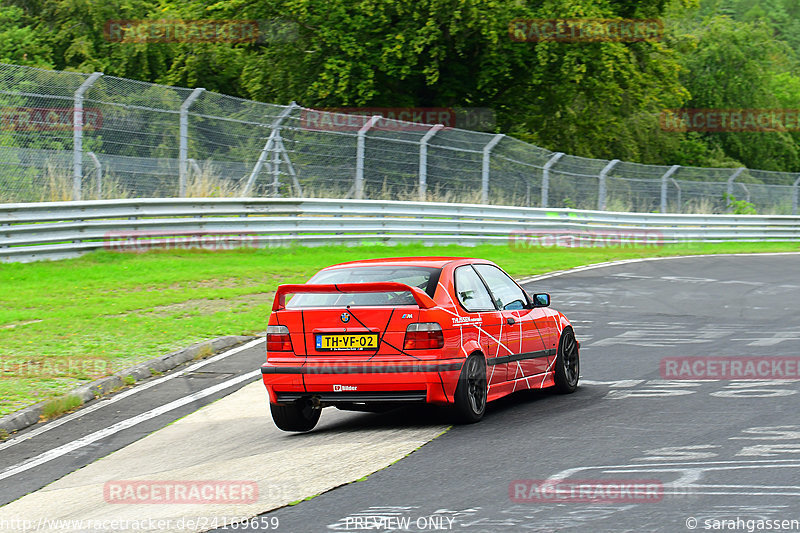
(541, 300)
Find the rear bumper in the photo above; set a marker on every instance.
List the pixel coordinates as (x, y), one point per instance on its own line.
(348, 382)
(357, 397)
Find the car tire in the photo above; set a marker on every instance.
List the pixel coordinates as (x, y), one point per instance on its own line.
(567, 365)
(295, 416)
(471, 391)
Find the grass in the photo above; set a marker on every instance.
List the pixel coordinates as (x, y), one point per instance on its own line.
(65, 323)
(60, 405)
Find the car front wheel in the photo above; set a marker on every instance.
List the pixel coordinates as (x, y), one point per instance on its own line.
(567, 363)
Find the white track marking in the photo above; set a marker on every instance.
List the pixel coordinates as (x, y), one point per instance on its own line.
(137, 389)
(641, 260)
(122, 425)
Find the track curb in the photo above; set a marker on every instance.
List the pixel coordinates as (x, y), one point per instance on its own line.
(31, 415)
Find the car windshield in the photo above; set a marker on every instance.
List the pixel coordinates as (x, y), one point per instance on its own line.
(422, 277)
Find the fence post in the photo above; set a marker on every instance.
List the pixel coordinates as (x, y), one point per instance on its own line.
(729, 197)
(546, 176)
(794, 195)
(276, 163)
(423, 160)
(601, 189)
(183, 150)
(98, 169)
(77, 135)
(667, 175)
(487, 153)
(289, 166)
(358, 185)
(267, 148)
(195, 167)
(677, 186)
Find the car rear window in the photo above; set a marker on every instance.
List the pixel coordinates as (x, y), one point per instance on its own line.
(424, 278)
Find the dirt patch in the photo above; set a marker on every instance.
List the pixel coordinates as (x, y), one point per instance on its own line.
(17, 324)
(206, 306)
(228, 283)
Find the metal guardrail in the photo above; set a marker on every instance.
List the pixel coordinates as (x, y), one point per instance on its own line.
(56, 230)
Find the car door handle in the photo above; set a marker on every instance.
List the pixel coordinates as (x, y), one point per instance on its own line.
(510, 321)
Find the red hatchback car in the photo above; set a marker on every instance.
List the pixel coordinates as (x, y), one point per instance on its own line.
(370, 335)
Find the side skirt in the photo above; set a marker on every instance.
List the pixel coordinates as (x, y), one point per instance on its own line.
(539, 381)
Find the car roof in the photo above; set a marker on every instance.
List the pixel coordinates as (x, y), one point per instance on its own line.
(431, 262)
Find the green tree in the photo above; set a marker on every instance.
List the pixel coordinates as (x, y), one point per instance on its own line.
(734, 65)
(19, 43)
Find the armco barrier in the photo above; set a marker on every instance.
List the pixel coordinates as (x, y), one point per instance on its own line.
(55, 230)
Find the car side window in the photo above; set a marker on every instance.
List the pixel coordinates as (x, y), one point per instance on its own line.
(470, 290)
(507, 294)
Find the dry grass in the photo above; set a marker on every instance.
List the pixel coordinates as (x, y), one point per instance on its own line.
(699, 206)
(208, 184)
(58, 183)
(205, 182)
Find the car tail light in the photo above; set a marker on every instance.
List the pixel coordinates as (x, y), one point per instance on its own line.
(423, 336)
(278, 339)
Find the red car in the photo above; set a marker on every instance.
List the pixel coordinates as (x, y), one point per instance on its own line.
(373, 334)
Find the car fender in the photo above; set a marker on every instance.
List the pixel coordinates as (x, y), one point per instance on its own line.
(470, 347)
(562, 321)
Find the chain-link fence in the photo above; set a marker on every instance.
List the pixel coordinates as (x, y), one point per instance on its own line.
(67, 135)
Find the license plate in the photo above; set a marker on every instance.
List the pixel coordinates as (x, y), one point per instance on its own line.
(348, 342)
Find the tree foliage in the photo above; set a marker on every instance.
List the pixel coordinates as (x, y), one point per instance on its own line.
(595, 99)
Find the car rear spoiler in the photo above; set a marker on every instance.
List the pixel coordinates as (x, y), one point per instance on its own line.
(421, 297)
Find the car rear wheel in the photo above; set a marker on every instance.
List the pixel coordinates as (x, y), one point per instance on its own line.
(296, 416)
(471, 391)
(567, 364)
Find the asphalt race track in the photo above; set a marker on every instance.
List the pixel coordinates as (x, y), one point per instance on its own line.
(709, 438)
(713, 451)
